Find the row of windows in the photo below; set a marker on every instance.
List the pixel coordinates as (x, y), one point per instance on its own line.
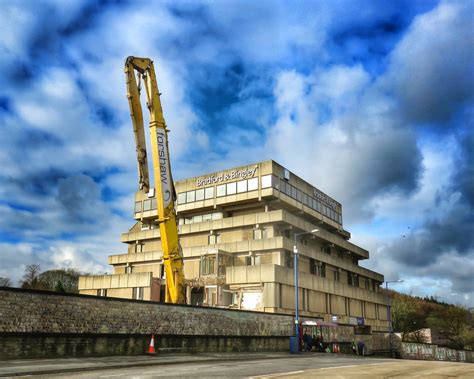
(304, 198)
(146, 205)
(221, 190)
(242, 186)
(201, 218)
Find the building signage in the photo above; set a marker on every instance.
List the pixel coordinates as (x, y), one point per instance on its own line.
(163, 156)
(353, 320)
(334, 318)
(324, 198)
(360, 321)
(219, 178)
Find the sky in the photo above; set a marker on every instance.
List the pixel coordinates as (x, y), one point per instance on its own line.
(370, 101)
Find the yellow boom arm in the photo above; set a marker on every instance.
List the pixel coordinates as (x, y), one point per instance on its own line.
(165, 193)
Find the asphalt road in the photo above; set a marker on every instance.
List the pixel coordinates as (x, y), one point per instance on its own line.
(325, 366)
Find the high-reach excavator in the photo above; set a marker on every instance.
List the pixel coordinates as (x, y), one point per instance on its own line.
(165, 192)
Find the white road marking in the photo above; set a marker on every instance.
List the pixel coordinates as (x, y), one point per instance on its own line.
(276, 374)
(329, 368)
(110, 376)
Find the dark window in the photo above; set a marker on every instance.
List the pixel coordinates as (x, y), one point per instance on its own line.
(312, 266)
(336, 275)
(137, 293)
(288, 259)
(322, 270)
(327, 250)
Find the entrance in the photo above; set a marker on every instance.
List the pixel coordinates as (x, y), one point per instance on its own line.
(197, 295)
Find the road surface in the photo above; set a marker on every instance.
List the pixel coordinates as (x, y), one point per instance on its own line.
(305, 366)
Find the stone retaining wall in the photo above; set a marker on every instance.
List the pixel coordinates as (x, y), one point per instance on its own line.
(37, 324)
(431, 352)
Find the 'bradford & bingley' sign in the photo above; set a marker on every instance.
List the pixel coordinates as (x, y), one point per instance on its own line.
(235, 174)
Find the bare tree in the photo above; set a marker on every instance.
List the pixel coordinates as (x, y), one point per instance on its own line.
(31, 278)
(5, 282)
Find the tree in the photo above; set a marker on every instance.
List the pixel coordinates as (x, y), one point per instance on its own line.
(406, 315)
(452, 323)
(5, 282)
(31, 278)
(61, 280)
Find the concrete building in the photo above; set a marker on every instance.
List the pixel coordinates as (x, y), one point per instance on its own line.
(237, 231)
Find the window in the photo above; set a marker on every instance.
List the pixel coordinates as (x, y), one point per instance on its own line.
(266, 181)
(137, 293)
(305, 199)
(214, 238)
(312, 266)
(217, 216)
(209, 193)
(248, 260)
(128, 269)
(207, 217)
(208, 265)
(242, 186)
(352, 279)
(182, 198)
(138, 206)
(318, 206)
(138, 247)
(367, 284)
(340, 254)
(337, 275)
(326, 249)
(231, 188)
(288, 259)
(298, 195)
(199, 194)
(280, 295)
(252, 184)
(153, 203)
(190, 196)
(257, 234)
(221, 190)
(322, 270)
(293, 192)
(355, 261)
(146, 205)
(102, 292)
(197, 218)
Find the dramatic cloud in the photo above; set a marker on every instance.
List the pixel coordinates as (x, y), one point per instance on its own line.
(370, 102)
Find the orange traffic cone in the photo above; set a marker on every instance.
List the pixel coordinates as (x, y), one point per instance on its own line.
(151, 348)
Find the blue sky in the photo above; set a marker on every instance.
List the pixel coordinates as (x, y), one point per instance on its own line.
(370, 101)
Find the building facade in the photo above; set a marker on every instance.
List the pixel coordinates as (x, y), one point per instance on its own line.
(237, 230)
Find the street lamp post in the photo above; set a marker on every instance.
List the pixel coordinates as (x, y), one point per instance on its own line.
(389, 314)
(295, 266)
